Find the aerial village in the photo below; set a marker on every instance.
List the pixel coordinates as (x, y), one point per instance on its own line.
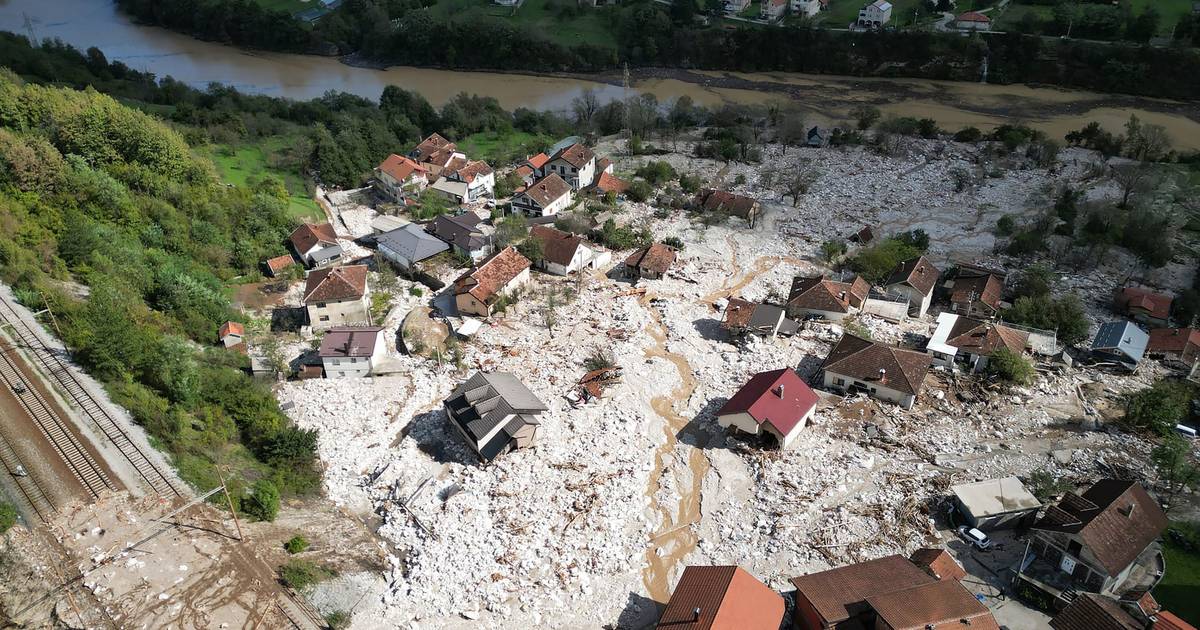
(568, 408)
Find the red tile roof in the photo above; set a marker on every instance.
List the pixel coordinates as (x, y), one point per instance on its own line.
(779, 398)
(821, 294)
(485, 282)
(576, 155)
(473, 169)
(1155, 305)
(737, 314)
(433, 147)
(1094, 612)
(728, 598)
(984, 338)
(938, 562)
(524, 171)
(538, 161)
(940, 605)
(1174, 340)
(279, 263)
(231, 328)
(738, 205)
(401, 168)
(309, 235)
(839, 594)
(1170, 621)
(558, 247)
(865, 360)
(917, 273)
(547, 190)
(608, 183)
(1116, 520)
(336, 283)
(657, 258)
(974, 16)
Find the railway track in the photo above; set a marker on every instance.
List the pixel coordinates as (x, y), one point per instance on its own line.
(31, 493)
(53, 367)
(66, 444)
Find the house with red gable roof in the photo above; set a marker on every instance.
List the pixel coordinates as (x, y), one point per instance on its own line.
(397, 173)
(721, 598)
(1176, 344)
(973, 21)
(1143, 305)
(777, 403)
(231, 333)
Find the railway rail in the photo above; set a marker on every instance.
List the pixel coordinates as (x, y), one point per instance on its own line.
(55, 368)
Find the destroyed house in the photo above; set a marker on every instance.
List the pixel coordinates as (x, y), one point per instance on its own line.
(778, 403)
(651, 262)
(1175, 344)
(478, 291)
(721, 598)
(1096, 540)
(1143, 305)
(495, 413)
(995, 503)
(828, 299)
(1120, 342)
(711, 200)
(914, 280)
(881, 371)
(767, 320)
(837, 598)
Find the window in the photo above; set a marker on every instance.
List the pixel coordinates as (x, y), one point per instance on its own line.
(320, 305)
(353, 360)
(839, 381)
(323, 318)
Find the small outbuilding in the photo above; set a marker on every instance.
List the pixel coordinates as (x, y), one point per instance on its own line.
(996, 503)
(232, 333)
(651, 262)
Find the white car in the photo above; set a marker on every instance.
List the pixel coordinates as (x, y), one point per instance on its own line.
(978, 539)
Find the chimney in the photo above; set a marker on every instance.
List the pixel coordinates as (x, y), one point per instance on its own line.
(780, 390)
(882, 375)
(696, 614)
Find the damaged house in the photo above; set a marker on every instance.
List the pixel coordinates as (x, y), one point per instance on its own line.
(827, 299)
(1120, 342)
(495, 413)
(766, 320)
(1143, 305)
(651, 262)
(857, 365)
(778, 403)
(959, 340)
(720, 201)
(913, 280)
(976, 292)
(479, 290)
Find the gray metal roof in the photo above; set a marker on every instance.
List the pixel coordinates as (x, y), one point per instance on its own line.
(1123, 337)
(412, 243)
(484, 400)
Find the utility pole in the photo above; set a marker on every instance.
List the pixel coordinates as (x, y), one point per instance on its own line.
(628, 117)
(33, 40)
(229, 499)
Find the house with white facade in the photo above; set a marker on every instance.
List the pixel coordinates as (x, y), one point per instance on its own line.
(913, 280)
(857, 365)
(963, 341)
(545, 197)
(772, 10)
(337, 296)
(874, 15)
(973, 21)
(437, 154)
(808, 8)
(575, 164)
(398, 174)
(479, 290)
(828, 299)
(495, 413)
(352, 351)
(777, 403)
(479, 178)
(564, 253)
(316, 244)
(409, 245)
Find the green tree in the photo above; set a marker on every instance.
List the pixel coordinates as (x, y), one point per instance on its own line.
(532, 248)
(1159, 407)
(8, 516)
(1064, 315)
(865, 116)
(296, 544)
(1011, 367)
(1175, 466)
(832, 250)
(263, 502)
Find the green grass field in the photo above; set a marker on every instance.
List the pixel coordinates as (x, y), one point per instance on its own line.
(589, 25)
(239, 163)
(1181, 583)
(500, 148)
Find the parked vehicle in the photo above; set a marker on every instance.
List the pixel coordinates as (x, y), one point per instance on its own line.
(976, 538)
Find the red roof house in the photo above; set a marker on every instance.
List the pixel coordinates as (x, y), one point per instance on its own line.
(938, 563)
(721, 598)
(231, 333)
(776, 402)
(1143, 305)
(1180, 344)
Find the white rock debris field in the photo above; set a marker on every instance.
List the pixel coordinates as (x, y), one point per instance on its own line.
(587, 528)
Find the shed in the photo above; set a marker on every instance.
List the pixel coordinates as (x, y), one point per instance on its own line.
(996, 503)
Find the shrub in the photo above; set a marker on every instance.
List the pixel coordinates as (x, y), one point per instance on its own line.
(1005, 225)
(690, 183)
(831, 250)
(1064, 315)
(639, 190)
(263, 502)
(1159, 407)
(301, 574)
(857, 329)
(968, 134)
(875, 262)
(1011, 366)
(599, 360)
(416, 291)
(673, 241)
(296, 544)
(656, 172)
(1044, 485)
(338, 620)
(8, 516)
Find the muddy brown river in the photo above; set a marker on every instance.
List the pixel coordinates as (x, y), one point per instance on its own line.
(825, 99)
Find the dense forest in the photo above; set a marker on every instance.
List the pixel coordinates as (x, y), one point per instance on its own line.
(649, 34)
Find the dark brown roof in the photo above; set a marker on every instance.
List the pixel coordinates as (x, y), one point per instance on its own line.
(938, 562)
(720, 200)
(1094, 612)
(434, 146)
(979, 337)
(941, 605)
(1154, 304)
(657, 257)
(1116, 520)
(349, 341)
(336, 283)
(576, 155)
(841, 593)
(547, 190)
(917, 273)
(485, 282)
(310, 234)
(821, 294)
(862, 359)
(558, 247)
(728, 598)
(985, 288)
(737, 314)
